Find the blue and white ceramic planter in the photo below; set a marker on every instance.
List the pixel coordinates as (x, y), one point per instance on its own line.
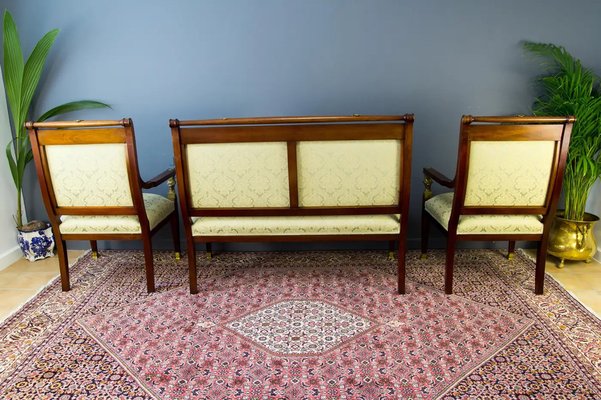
(36, 245)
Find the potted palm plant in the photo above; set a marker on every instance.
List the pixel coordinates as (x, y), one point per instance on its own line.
(568, 88)
(21, 79)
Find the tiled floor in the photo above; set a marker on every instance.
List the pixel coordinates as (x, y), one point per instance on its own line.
(22, 280)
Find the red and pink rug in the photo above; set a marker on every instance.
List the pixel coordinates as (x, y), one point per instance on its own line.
(305, 325)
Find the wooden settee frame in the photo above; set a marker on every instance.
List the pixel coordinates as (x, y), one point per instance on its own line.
(292, 130)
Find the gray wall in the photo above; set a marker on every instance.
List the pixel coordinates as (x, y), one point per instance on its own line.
(155, 60)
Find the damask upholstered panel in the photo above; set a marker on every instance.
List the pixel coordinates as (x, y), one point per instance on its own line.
(157, 209)
(238, 174)
(297, 225)
(348, 173)
(440, 208)
(89, 175)
(509, 173)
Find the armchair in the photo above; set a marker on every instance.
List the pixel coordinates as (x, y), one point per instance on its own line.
(92, 190)
(506, 186)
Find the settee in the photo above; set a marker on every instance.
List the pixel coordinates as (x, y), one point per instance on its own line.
(294, 179)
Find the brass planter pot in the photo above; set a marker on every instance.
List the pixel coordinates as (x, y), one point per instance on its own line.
(572, 240)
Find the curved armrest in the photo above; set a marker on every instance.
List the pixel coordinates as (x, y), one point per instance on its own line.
(160, 178)
(439, 177)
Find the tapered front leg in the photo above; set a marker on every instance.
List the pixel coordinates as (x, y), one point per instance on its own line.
(63, 262)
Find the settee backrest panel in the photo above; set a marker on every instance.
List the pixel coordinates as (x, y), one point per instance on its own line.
(348, 173)
(293, 165)
(238, 174)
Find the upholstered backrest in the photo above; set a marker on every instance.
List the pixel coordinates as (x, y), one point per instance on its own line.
(348, 173)
(268, 166)
(509, 173)
(87, 175)
(510, 164)
(238, 174)
(87, 167)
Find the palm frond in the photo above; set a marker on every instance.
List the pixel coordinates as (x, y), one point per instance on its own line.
(72, 106)
(13, 65)
(568, 88)
(33, 71)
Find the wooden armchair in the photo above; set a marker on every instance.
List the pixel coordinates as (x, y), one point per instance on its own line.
(506, 186)
(92, 190)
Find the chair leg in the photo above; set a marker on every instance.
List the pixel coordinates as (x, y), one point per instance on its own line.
(391, 246)
(401, 267)
(192, 267)
(209, 252)
(175, 234)
(149, 264)
(94, 246)
(511, 250)
(448, 272)
(425, 233)
(541, 261)
(63, 262)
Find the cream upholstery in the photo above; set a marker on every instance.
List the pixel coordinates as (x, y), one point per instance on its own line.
(509, 173)
(348, 173)
(73, 167)
(440, 208)
(238, 174)
(296, 225)
(157, 208)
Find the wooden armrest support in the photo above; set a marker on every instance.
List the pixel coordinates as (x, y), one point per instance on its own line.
(439, 177)
(160, 178)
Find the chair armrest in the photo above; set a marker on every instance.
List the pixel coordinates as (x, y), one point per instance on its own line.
(439, 177)
(160, 178)
(430, 174)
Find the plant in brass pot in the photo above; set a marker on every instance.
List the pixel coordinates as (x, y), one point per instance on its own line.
(568, 88)
(21, 80)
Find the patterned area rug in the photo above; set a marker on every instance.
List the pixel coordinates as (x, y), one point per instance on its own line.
(302, 325)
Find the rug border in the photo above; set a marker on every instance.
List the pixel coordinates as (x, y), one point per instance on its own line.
(117, 358)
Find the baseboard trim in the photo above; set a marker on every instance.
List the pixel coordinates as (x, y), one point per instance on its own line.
(9, 257)
(597, 256)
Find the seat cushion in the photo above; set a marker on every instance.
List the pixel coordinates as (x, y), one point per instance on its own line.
(439, 207)
(296, 225)
(157, 209)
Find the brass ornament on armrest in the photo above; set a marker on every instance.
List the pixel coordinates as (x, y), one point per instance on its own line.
(171, 191)
(427, 188)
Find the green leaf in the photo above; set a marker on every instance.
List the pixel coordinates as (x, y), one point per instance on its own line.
(72, 106)
(33, 71)
(13, 65)
(11, 161)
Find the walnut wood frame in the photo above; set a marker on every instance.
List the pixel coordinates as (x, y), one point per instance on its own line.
(42, 134)
(524, 128)
(292, 130)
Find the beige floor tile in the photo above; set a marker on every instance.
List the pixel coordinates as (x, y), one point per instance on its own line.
(12, 299)
(26, 279)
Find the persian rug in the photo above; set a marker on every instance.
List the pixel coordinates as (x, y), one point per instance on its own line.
(301, 325)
